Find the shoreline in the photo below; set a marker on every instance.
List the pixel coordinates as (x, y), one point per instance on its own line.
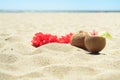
(59, 11)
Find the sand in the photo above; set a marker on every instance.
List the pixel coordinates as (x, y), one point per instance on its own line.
(19, 60)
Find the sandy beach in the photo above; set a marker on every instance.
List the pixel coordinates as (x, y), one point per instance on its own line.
(19, 60)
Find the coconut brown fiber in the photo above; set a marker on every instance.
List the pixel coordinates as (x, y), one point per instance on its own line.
(78, 39)
(95, 44)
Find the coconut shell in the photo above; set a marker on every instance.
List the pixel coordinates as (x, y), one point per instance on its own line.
(78, 39)
(95, 44)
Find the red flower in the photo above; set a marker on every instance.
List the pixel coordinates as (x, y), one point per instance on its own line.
(94, 33)
(41, 39)
(65, 39)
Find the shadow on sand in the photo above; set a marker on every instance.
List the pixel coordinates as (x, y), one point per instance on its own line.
(96, 53)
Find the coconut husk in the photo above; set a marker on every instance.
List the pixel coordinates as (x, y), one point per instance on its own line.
(95, 44)
(78, 39)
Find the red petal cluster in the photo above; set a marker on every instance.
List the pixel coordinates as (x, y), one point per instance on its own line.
(41, 39)
(65, 39)
(94, 33)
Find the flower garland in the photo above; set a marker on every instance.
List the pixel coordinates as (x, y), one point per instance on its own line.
(40, 39)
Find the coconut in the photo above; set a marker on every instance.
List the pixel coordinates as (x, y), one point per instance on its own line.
(95, 44)
(78, 39)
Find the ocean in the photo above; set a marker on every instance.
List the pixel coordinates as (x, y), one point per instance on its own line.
(57, 11)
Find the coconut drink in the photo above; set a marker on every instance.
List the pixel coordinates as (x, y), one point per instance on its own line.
(92, 42)
(95, 43)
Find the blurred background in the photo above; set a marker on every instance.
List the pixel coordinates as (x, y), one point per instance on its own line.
(60, 5)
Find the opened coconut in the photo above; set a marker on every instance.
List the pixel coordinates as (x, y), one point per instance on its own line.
(95, 44)
(78, 39)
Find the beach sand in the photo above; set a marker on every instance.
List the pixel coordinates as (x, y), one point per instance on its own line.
(19, 60)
